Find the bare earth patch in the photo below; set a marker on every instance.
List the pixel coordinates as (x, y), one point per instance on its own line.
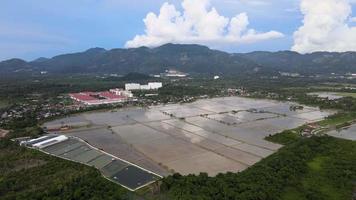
(3, 133)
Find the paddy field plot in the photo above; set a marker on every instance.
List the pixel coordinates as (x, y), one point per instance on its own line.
(347, 133)
(211, 135)
(72, 121)
(110, 142)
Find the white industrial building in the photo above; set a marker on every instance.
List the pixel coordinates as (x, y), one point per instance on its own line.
(132, 86)
(145, 87)
(149, 86)
(45, 141)
(34, 140)
(50, 142)
(155, 85)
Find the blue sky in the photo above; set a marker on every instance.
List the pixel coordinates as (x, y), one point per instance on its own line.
(33, 28)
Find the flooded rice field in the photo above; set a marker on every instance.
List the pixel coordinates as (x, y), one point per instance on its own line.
(347, 133)
(328, 95)
(211, 135)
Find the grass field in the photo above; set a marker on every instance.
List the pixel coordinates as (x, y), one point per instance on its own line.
(319, 180)
(289, 136)
(285, 137)
(4, 104)
(338, 119)
(346, 94)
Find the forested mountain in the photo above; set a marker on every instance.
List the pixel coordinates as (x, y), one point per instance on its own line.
(186, 58)
(314, 63)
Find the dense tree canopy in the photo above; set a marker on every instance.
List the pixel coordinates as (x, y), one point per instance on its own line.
(27, 174)
(316, 168)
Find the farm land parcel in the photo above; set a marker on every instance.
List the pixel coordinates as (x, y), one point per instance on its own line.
(211, 135)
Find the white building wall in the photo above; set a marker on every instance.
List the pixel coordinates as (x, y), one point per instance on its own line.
(34, 140)
(132, 86)
(145, 87)
(149, 86)
(155, 85)
(50, 142)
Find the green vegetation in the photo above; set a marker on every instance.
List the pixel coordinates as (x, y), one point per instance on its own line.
(347, 94)
(336, 121)
(339, 118)
(317, 163)
(187, 58)
(4, 104)
(286, 137)
(28, 174)
(309, 169)
(179, 91)
(306, 168)
(21, 88)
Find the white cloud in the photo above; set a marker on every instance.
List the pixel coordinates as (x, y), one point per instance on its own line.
(325, 27)
(353, 19)
(198, 23)
(249, 2)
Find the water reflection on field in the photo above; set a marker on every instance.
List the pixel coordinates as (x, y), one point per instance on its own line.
(329, 95)
(347, 133)
(210, 135)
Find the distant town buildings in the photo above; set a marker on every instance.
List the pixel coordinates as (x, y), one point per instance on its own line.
(99, 98)
(132, 86)
(237, 91)
(137, 86)
(288, 74)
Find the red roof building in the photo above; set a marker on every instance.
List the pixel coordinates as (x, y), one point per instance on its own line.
(109, 95)
(98, 98)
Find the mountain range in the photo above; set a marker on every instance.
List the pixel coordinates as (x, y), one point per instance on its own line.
(195, 59)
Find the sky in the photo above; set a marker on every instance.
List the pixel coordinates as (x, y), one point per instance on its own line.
(41, 28)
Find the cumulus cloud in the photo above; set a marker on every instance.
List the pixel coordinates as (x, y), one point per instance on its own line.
(325, 27)
(249, 2)
(198, 23)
